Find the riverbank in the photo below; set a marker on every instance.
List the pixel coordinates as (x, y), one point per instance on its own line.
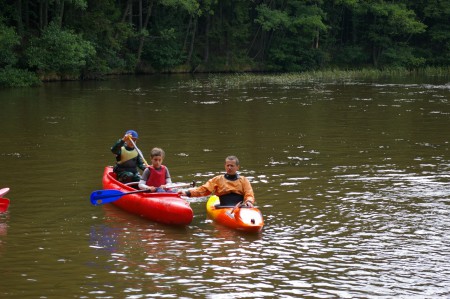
(15, 78)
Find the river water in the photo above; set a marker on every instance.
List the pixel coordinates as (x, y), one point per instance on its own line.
(352, 179)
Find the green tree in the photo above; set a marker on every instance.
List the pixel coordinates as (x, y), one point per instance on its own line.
(105, 26)
(96, 37)
(298, 26)
(9, 40)
(435, 43)
(59, 51)
(387, 26)
(10, 74)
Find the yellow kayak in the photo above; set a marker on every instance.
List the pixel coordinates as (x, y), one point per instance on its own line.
(239, 218)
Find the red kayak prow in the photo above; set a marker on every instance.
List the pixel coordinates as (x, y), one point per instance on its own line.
(4, 204)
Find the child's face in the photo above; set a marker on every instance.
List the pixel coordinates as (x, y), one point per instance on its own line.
(129, 143)
(157, 161)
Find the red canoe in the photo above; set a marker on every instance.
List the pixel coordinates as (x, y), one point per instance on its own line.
(162, 207)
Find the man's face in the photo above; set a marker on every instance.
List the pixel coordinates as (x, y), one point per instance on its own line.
(230, 167)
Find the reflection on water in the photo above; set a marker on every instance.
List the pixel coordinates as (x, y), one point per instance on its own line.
(352, 180)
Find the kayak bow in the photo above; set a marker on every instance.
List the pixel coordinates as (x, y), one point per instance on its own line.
(238, 218)
(3, 191)
(4, 204)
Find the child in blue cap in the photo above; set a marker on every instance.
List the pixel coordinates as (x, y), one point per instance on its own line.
(128, 159)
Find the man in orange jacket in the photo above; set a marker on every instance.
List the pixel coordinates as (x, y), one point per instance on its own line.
(231, 187)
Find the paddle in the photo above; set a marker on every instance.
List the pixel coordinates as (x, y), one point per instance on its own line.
(4, 204)
(100, 197)
(139, 151)
(230, 214)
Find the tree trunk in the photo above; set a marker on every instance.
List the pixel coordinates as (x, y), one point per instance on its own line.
(316, 40)
(186, 37)
(191, 48)
(142, 38)
(140, 15)
(375, 55)
(43, 14)
(60, 11)
(19, 17)
(127, 10)
(208, 25)
(26, 13)
(130, 15)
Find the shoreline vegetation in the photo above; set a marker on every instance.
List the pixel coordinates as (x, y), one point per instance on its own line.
(27, 79)
(59, 40)
(335, 75)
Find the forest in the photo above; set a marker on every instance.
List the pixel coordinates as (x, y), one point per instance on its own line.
(43, 40)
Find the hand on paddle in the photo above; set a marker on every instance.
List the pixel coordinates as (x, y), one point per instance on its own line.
(128, 139)
(182, 192)
(248, 203)
(152, 189)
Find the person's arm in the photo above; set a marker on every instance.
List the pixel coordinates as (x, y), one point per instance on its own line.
(203, 190)
(249, 196)
(142, 183)
(168, 179)
(116, 149)
(140, 163)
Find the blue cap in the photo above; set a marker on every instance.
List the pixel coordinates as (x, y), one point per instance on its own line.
(133, 133)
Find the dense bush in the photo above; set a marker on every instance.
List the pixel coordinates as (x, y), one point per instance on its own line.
(59, 51)
(13, 77)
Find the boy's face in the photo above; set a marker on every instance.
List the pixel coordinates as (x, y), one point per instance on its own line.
(230, 167)
(129, 143)
(157, 161)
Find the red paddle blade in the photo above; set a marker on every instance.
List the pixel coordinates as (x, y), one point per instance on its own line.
(4, 204)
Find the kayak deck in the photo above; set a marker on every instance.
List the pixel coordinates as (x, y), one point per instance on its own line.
(238, 218)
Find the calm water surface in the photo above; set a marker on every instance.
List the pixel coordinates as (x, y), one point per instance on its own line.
(352, 179)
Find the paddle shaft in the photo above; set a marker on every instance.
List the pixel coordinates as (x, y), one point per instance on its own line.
(139, 152)
(231, 213)
(109, 195)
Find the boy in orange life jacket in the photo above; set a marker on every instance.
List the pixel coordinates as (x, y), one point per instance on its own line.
(127, 158)
(231, 188)
(155, 176)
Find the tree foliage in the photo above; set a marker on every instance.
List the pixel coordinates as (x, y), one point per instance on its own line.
(9, 40)
(59, 51)
(89, 38)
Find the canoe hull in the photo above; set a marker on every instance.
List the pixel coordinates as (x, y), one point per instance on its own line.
(242, 219)
(166, 208)
(4, 204)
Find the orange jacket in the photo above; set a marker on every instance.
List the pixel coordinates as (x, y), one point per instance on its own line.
(219, 185)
